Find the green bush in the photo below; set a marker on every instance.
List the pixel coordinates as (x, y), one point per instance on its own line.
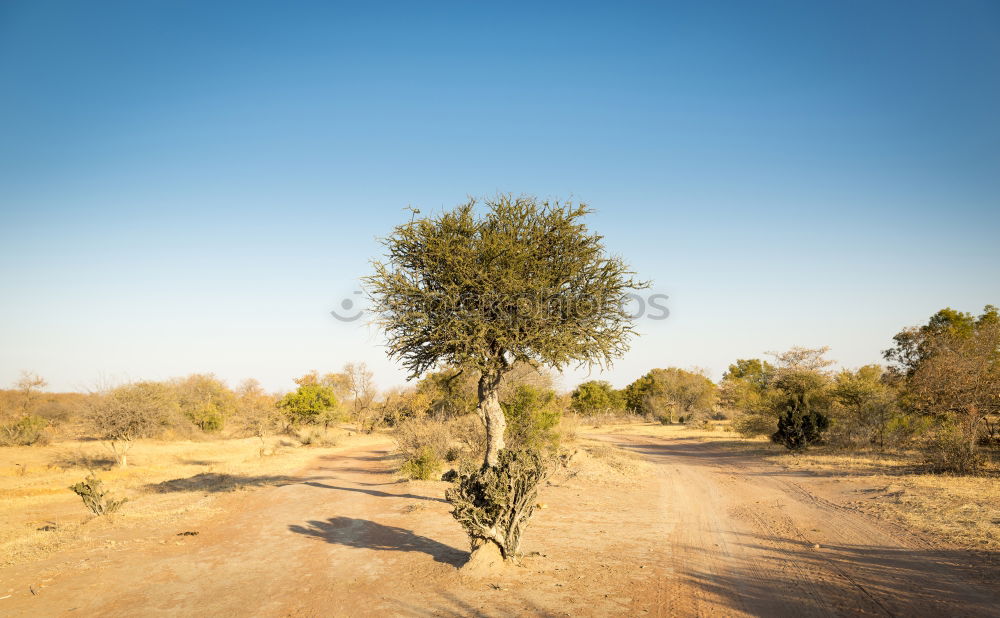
(422, 466)
(797, 429)
(27, 431)
(532, 416)
(95, 497)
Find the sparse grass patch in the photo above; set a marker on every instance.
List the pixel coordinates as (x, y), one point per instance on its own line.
(166, 481)
(962, 510)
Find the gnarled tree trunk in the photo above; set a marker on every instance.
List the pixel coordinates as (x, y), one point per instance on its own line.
(492, 414)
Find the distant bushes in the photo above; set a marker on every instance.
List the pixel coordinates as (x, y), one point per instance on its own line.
(26, 431)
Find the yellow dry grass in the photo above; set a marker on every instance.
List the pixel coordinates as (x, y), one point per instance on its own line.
(165, 482)
(962, 510)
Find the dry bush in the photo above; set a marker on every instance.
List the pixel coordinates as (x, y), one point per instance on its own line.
(316, 438)
(750, 425)
(494, 503)
(948, 449)
(126, 413)
(423, 444)
(569, 428)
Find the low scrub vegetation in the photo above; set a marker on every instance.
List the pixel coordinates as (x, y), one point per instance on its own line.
(95, 497)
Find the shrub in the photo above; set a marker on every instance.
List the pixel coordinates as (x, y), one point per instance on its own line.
(798, 429)
(413, 436)
(422, 466)
(949, 450)
(493, 504)
(532, 416)
(749, 425)
(95, 497)
(129, 412)
(317, 438)
(24, 432)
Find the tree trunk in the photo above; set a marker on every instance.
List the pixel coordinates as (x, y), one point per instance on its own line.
(492, 414)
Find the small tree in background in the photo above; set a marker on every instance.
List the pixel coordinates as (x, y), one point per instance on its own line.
(21, 426)
(664, 392)
(802, 406)
(361, 386)
(525, 281)
(312, 403)
(126, 413)
(205, 400)
(867, 404)
(597, 397)
(950, 371)
(257, 411)
(745, 389)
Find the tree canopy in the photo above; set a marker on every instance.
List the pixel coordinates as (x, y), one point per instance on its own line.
(522, 281)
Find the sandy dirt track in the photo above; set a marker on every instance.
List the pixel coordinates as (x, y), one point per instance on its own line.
(696, 530)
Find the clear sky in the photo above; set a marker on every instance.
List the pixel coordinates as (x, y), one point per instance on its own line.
(191, 187)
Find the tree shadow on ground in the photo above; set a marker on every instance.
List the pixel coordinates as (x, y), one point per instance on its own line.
(724, 453)
(367, 534)
(373, 492)
(791, 577)
(215, 482)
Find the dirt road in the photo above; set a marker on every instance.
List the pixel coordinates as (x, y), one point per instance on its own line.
(695, 530)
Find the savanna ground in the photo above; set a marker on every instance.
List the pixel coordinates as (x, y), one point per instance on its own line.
(643, 520)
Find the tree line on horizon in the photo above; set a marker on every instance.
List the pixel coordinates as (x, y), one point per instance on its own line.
(939, 391)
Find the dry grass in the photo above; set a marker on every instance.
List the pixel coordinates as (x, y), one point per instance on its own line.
(962, 510)
(719, 432)
(165, 482)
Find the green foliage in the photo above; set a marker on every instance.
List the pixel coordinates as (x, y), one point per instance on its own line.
(450, 392)
(756, 372)
(949, 371)
(597, 397)
(205, 401)
(423, 465)
(866, 406)
(95, 497)
(311, 403)
(494, 504)
(666, 392)
(524, 281)
(915, 344)
(746, 389)
(532, 417)
(26, 431)
(803, 403)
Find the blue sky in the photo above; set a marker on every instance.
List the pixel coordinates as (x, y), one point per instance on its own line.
(191, 187)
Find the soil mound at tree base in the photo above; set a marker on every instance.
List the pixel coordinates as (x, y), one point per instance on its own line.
(484, 561)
